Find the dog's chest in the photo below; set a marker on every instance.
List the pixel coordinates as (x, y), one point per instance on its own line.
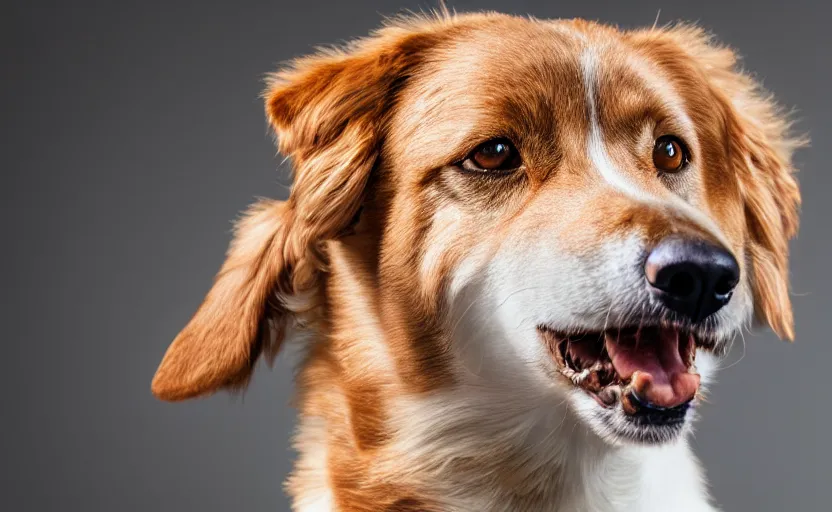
(465, 454)
(587, 481)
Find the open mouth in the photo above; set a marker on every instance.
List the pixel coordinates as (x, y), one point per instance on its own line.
(648, 369)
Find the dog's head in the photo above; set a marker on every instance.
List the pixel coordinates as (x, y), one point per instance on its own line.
(558, 208)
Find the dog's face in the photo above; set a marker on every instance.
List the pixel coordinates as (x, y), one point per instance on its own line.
(550, 208)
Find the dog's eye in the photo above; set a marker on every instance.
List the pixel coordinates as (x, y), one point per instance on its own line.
(669, 154)
(493, 155)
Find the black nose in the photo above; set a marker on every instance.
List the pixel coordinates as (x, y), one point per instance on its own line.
(692, 277)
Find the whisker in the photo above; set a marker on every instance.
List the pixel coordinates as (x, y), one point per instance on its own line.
(742, 356)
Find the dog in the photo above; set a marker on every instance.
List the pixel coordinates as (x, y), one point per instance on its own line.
(514, 252)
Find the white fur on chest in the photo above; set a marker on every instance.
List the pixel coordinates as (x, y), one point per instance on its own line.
(457, 448)
(557, 464)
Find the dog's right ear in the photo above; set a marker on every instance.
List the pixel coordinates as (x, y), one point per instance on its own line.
(761, 148)
(328, 112)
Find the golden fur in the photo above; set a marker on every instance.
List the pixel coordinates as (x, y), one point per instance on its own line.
(365, 248)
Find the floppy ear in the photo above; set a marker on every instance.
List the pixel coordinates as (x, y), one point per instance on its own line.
(761, 148)
(221, 343)
(328, 114)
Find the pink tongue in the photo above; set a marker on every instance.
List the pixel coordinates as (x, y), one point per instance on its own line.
(658, 374)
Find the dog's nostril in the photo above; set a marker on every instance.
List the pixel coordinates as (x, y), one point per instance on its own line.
(725, 285)
(682, 284)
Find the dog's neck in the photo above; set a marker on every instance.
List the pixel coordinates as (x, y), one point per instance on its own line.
(491, 450)
(367, 438)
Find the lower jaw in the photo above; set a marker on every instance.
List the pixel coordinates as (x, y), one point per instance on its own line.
(644, 432)
(643, 428)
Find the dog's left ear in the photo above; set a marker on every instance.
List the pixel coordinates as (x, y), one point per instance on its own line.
(761, 146)
(329, 114)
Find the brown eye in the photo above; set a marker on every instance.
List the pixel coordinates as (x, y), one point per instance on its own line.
(494, 155)
(669, 154)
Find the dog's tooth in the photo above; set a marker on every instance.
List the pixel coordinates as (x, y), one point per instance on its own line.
(597, 366)
(627, 403)
(578, 378)
(609, 394)
(691, 348)
(593, 382)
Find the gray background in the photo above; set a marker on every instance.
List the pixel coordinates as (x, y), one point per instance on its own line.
(133, 134)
